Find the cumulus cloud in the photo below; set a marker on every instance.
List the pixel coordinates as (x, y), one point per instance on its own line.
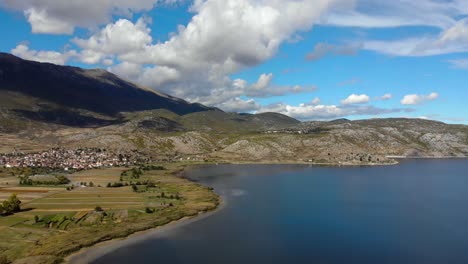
(263, 81)
(316, 101)
(356, 99)
(323, 49)
(386, 97)
(23, 51)
(121, 37)
(61, 17)
(42, 23)
(415, 99)
(222, 38)
(239, 105)
(327, 112)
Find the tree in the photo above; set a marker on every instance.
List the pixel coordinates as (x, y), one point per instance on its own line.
(2, 210)
(12, 205)
(15, 202)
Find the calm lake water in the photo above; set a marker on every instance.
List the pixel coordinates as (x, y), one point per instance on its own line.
(415, 212)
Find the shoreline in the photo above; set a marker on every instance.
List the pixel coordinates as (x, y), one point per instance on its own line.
(330, 164)
(94, 252)
(428, 157)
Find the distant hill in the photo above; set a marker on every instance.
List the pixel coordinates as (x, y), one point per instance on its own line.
(94, 90)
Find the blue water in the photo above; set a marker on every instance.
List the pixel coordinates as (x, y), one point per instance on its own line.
(415, 212)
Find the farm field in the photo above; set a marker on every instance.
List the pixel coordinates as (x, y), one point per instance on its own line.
(97, 176)
(56, 221)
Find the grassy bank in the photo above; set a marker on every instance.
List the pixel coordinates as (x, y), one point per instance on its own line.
(61, 222)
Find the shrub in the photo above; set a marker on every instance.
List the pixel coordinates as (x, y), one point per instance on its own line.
(149, 210)
(98, 209)
(117, 184)
(4, 260)
(36, 219)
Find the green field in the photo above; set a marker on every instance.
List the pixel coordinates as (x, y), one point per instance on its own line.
(56, 222)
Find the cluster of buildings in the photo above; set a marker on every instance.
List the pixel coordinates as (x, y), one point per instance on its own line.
(295, 131)
(78, 159)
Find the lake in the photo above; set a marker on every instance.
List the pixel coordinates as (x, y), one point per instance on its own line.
(414, 212)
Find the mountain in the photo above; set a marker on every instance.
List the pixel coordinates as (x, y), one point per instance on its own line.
(44, 105)
(36, 96)
(96, 90)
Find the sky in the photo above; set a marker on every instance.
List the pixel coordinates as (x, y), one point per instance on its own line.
(309, 59)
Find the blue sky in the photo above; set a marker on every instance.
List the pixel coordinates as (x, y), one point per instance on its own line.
(312, 60)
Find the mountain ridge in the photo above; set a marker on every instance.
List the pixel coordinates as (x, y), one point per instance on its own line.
(93, 90)
(168, 128)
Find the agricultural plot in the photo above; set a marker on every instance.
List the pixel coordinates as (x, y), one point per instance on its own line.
(97, 176)
(87, 198)
(28, 194)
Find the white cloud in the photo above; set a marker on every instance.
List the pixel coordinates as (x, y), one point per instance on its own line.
(415, 99)
(453, 39)
(316, 101)
(384, 13)
(61, 17)
(222, 38)
(23, 51)
(356, 99)
(42, 23)
(263, 81)
(459, 63)
(239, 105)
(120, 38)
(386, 97)
(323, 49)
(327, 112)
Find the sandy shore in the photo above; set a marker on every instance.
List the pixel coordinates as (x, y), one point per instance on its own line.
(87, 255)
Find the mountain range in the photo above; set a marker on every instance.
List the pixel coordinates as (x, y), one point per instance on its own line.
(43, 105)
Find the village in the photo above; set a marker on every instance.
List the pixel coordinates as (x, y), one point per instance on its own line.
(66, 159)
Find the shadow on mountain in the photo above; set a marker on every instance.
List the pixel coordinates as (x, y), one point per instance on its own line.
(161, 124)
(93, 90)
(67, 118)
